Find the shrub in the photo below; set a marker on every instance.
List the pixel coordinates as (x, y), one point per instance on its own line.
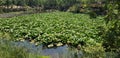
(75, 8)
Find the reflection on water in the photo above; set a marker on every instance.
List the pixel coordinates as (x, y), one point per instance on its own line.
(58, 52)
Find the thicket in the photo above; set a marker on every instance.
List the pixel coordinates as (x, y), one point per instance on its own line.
(63, 5)
(111, 34)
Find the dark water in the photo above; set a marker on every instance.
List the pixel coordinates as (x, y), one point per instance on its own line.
(57, 52)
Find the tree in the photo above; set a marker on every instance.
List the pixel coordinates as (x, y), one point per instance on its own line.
(15, 2)
(21, 2)
(113, 8)
(2, 2)
(112, 34)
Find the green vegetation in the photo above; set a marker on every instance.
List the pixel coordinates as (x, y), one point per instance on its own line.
(47, 28)
(111, 34)
(88, 29)
(43, 5)
(9, 51)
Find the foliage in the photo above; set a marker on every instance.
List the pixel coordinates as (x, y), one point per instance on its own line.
(1, 2)
(111, 36)
(112, 30)
(9, 51)
(54, 27)
(92, 52)
(113, 10)
(62, 5)
(98, 52)
(75, 8)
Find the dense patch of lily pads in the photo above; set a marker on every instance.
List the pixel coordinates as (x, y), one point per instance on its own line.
(53, 28)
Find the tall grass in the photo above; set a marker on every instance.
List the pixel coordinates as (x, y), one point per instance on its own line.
(8, 51)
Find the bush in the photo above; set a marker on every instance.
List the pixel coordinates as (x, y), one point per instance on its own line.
(75, 8)
(111, 36)
(98, 52)
(94, 52)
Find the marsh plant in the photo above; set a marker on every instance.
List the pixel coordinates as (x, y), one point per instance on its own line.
(8, 51)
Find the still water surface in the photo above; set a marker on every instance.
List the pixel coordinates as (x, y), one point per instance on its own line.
(57, 52)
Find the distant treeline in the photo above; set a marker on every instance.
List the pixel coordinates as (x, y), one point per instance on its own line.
(62, 5)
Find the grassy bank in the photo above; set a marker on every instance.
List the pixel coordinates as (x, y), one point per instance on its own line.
(9, 51)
